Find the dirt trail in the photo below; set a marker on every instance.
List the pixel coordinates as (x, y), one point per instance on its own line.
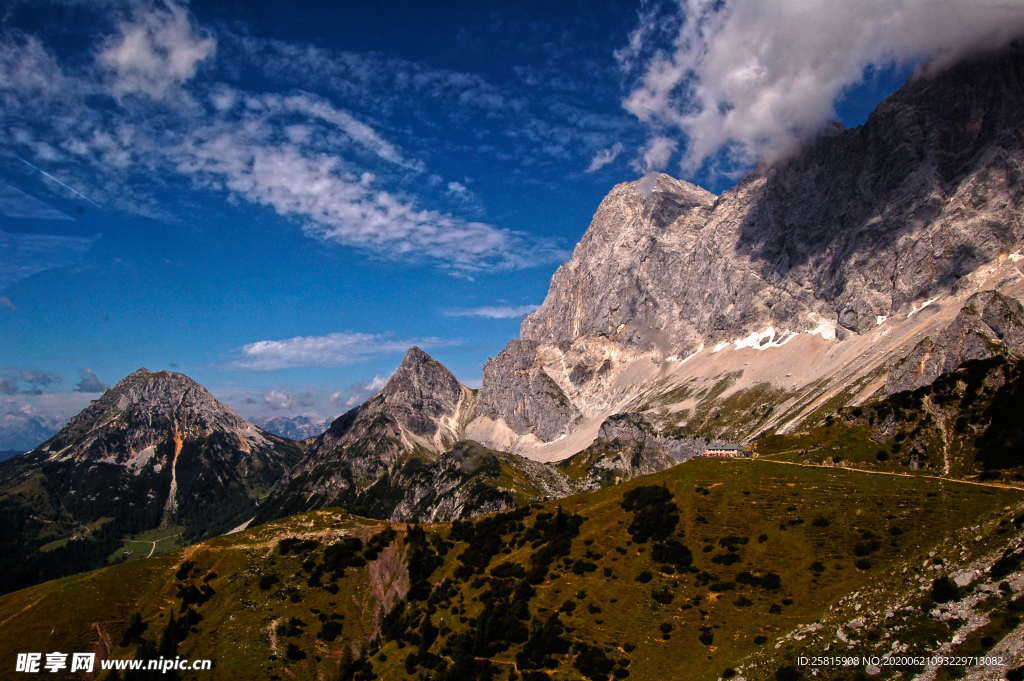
(889, 473)
(154, 542)
(25, 609)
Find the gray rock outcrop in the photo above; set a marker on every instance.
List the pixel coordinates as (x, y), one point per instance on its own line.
(989, 324)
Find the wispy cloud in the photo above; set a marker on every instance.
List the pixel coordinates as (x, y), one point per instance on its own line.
(492, 311)
(535, 119)
(755, 78)
(604, 157)
(155, 103)
(317, 108)
(29, 254)
(336, 203)
(331, 350)
(15, 203)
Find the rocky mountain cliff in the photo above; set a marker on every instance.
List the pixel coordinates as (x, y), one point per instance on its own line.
(155, 450)
(400, 455)
(357, 462)
(807, 280)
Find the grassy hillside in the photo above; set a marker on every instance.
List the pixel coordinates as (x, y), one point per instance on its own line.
(702, 568)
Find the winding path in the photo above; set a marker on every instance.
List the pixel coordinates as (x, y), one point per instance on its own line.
(154, 543)
(890, 473)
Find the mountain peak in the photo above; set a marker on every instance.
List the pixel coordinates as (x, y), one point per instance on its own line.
(416, 355)
(148, 405)
(421, 375)
(422, 400)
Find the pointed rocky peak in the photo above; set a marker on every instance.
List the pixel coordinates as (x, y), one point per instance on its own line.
(683, 192)
(169, 394)
(656, 200)
(421, 377)
(422, 399)
(145, 407)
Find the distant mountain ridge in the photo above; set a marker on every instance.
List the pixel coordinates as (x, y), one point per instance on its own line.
(297, 427)
(158, 451)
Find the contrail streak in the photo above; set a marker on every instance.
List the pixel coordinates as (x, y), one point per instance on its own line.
(62, 184)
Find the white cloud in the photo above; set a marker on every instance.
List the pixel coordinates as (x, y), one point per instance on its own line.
(316, 108)
(331, 350)
(756, 77)
(603, 157)
(656, 154)
(457, 190)
(89, 382)
(155, 51)
(493, 311)
(279, 399)
(336, 203)
(377, 382)
(28, 419)
(360, 392)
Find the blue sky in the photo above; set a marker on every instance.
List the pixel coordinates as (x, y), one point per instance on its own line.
(277, 199)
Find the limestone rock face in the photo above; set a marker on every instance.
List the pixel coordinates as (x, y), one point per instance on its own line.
(635, 428)
(372, 458)
(519, 391)
(403, 454)
(989, 324)
(423, 406)
(143, 409)
(859, 226)
(627, 446)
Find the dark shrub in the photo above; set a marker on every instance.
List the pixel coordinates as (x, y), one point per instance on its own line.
(663, 595)
(787, 673)
(672, 552)
(655, 516)
(944, 590)
(329, 631)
